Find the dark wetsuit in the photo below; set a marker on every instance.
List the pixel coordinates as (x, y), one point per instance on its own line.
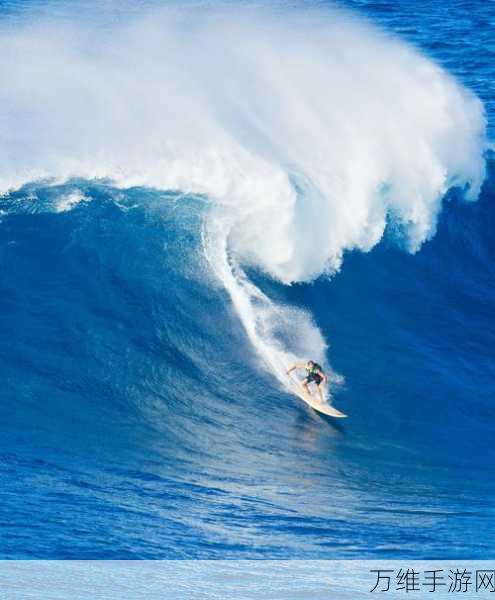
(313, 374)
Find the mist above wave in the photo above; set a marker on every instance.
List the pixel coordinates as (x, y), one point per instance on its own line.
(306, 128)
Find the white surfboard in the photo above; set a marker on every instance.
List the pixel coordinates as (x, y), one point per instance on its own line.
(314, 401)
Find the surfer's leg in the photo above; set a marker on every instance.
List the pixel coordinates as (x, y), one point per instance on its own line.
(320, 392)
(305, 386)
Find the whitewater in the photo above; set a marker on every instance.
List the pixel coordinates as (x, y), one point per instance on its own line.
(309, 133)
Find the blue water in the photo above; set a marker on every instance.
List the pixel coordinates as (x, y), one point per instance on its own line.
(136, 421)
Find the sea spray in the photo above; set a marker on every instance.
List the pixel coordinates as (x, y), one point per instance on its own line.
(306, 129)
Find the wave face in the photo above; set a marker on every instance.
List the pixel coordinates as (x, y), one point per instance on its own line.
(159, 173)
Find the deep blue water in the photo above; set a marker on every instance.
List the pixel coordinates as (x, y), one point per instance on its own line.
(136, 423)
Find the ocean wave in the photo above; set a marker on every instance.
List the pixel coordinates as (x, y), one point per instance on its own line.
(308, 131)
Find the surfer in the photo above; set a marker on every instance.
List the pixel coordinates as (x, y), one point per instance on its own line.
(315, 375)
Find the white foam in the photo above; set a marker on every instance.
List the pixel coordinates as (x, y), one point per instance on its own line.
(67, 202)
(281, 335)
(306, 128)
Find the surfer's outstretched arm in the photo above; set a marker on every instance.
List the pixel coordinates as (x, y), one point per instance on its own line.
(294, 367)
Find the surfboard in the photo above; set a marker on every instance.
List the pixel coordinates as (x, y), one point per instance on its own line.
(314, 401)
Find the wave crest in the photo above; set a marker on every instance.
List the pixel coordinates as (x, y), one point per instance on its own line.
(307, 129)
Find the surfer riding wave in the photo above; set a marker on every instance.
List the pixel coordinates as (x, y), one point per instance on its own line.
(315, 374)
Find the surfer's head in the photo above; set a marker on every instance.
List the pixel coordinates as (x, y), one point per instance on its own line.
(311, 363)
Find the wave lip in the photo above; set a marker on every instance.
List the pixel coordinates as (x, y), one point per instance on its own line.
(318, 130)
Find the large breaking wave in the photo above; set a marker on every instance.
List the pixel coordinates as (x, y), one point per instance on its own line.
(308, 132)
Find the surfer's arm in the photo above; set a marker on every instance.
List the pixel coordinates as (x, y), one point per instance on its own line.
(294, 367)
(323, 376)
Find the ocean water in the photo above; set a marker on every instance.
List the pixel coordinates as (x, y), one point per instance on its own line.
(193, 197)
